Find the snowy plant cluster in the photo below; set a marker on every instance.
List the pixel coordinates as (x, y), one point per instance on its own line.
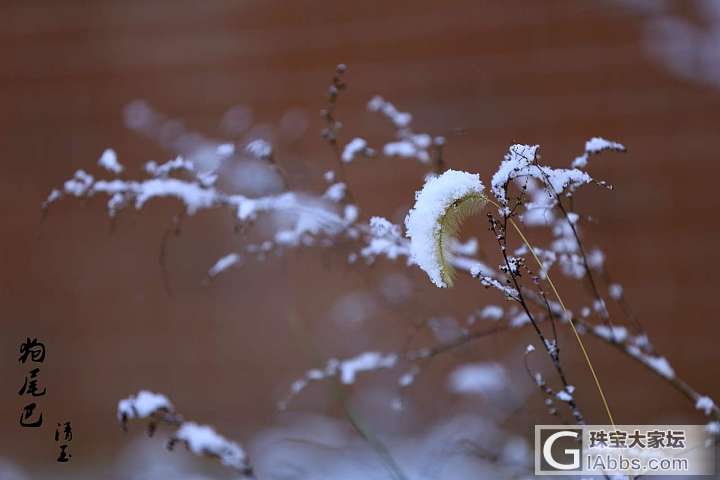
(522, 195)
(408, 144)
(311, 216)
(199, 439)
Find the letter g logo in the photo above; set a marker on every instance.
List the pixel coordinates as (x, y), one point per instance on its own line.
(573, 452)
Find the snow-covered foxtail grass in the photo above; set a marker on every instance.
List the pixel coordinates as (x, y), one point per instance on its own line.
(433, 223)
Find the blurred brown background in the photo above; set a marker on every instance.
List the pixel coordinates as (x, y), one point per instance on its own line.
(483, 74)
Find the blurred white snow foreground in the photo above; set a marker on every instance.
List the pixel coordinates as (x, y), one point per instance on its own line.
(320, 448)
(316, 447)
(199, 439)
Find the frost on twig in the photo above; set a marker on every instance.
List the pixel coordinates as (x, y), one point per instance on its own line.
(357, 146)
(199, 439)
(224, 263)
(705, 404)
(143, 405)
(163, 170)
(593, 146)
(301, 218)
(539, 381)
(657, 363)
(519, 163)
(407, 144)
(329, 133)
(345, 370)
(108, 160)
(490, 282)
(204, 440)
(384, 239)
(260, 149)
(566, 395)
(615, 334)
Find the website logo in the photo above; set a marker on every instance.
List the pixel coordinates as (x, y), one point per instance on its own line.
(560, 449)
(625, 450)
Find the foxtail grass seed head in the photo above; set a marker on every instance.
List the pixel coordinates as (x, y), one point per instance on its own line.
(440, 208)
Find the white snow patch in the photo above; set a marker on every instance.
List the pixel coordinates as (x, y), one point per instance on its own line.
(224, 263)
(593, 146)
(519, 162)
(142, 405)
(204, 440)
(477, 378)
(611, 334)
(354, 147)
(164, 169)
(615, 290)
(335, 192)
(379, 104)
(364, 362)
(259, 148)
(346, 369)
(108, 160)
(491, 312)
(564, 396)
(659, 364)
(385, 239)
(705, 404)
(225, 149)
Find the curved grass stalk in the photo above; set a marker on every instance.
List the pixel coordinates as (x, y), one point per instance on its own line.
(450, 224)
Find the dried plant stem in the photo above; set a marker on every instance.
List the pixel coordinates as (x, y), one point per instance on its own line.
(552, 352)
(562, 305)
(679, 384)
(330, 132)
(175, 420)
(572, 325)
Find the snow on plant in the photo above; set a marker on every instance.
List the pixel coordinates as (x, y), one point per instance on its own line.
(204, 440)
(705, 404)
(346, 370)
(385, 239)
(593, 146)
(108, 160)
(440, 208)
(311, 215)
(224, 263)
(356, 146)
(199, 439)
(142, 405)
(524, 194)
(409, 144)
(520, 164)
